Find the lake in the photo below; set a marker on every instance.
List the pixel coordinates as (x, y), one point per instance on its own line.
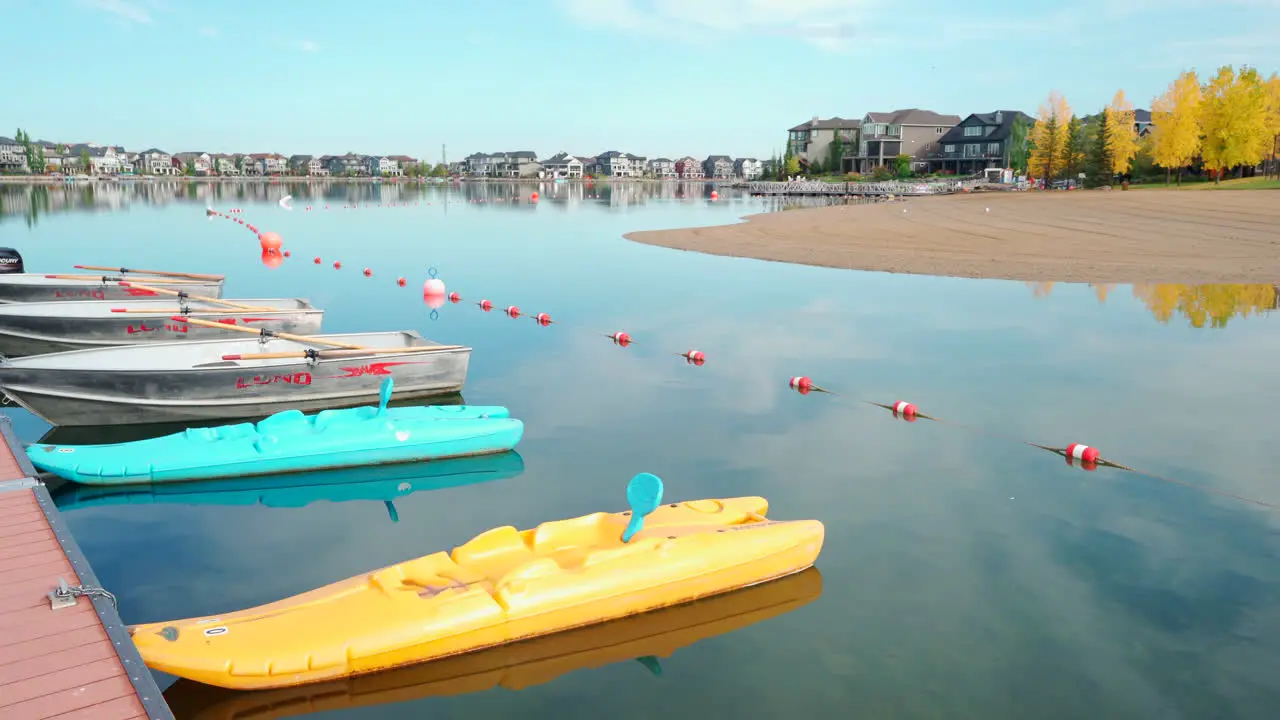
(965, 574)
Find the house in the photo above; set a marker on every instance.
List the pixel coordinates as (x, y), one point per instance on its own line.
(516, 164)
(885, 136)
(480, 164)
(980, 141)
(1142, 122)
(54, 156)
(350, 164)
(662, 168)
(382, 166)
(201, 163)
(157, 162)
(109, 160)
(13, 157)
(307, 165)
(689, 169)
(223, 164)
(617, 164)
(719, 167)
(748, 168)
(639, 164)
(563, 165)
(405, 163)
(814, 142)
(271, 163)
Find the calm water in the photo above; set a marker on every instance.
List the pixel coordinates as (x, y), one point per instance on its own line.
(964, 575)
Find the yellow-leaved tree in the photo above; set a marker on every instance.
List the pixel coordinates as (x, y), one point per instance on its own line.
(1175, 120)
(1273, 122)
(1234, 120)
(1048, 139)
(1122, 137)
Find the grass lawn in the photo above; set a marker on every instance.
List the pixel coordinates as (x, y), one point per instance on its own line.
(1253, 183)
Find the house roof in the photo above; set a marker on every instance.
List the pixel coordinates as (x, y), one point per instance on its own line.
(562, 157)
(299, 158)
(1003, 126)
(662, 160)
(912, 116)
(1142, 116)
(154, 151)
(833, 123)
(717, 158)
(403, 158)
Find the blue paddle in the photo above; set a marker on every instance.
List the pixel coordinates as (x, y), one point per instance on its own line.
(644, 495)
(384, 396)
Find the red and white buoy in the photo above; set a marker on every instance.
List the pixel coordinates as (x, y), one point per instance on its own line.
(485, 305)
(801, 384)
(904, 410)
(1083, 453)
(542, 319)
(695, 357)
(368, 272)
(401, 281)
(512, 311)
(317, 261)
(455, 297)
(621, 338)
(337, 265)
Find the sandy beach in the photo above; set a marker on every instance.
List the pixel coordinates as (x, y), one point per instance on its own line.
(1139, 236)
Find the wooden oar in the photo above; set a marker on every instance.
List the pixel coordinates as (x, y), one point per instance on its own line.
(193, 276)
(282, 335)
(200, 298)
(211, 311)
(321, 354)
(118, 278)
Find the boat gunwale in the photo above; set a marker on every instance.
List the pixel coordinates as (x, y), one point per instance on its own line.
(304, 306)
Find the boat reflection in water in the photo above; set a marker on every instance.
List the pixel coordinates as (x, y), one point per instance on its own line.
(517, 666)
(386, 483)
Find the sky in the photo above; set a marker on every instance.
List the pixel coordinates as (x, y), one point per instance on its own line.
(651, 77)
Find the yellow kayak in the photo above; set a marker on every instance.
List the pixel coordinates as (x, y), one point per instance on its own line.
(516, 666)
(502, 586)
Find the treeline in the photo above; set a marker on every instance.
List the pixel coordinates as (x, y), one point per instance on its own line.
(1229, 124)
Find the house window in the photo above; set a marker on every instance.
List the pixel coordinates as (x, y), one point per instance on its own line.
(973, 131)
(971, 150)
(948, 148)
(939, 131)
(993, 148)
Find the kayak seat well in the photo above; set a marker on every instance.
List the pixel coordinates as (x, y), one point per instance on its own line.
(215, 434)
(346, 416)
(494, 553)
(285, 420)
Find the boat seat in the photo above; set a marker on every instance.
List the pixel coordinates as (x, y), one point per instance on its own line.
(344, 416)
(225, 432)
(494, 552)
(587, 531)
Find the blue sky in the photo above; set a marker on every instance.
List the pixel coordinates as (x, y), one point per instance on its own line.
(653, 77)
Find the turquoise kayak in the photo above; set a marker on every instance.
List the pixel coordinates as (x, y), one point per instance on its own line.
(289, 442)
(384, 483)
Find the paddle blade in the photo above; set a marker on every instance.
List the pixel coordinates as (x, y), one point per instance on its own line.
(384, 395)
(644, 495)
(651, 662)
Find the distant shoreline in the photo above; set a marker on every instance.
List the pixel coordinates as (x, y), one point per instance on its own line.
(46, 180)
(1085, 236)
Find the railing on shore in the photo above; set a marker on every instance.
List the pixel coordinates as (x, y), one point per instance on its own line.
(878, 189)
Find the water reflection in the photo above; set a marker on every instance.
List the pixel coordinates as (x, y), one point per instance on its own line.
(643, 638)
(1202, 305)
(33, 201)
(385, 483)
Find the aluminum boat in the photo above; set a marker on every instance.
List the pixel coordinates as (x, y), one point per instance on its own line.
(39, 287)
(187, 381)
(46, 327)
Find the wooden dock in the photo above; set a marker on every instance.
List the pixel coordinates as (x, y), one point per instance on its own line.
(64, 653)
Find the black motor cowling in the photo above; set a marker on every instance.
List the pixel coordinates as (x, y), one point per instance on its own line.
(10, 261)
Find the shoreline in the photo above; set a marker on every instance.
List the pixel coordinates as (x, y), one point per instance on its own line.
(148, 179)
(1073, 236)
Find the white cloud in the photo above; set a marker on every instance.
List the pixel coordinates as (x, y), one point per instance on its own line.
(309, 45)
(131, 11)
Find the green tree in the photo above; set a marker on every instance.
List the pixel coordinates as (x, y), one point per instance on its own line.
(902, 166)
(85, 165)
(1075, 151)
(1019, 150)
(789, 161)
(1098, 161)
(190, 169)
(835, 154)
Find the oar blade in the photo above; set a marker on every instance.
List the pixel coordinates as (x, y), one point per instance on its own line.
(644, 495)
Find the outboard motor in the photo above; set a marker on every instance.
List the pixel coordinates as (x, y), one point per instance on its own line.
(10, 261)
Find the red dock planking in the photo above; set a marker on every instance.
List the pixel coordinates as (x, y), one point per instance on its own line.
(75, 661)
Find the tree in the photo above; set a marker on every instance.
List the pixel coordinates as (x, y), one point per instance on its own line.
(190, 168)
(1273, 122)
(1019, 151)
(1074, 148)
(1122, 140)
(835, 154)
(791, 167)
(902, 166)
(1175, 119)
(1099, 163)
(86, 166)
(1049, 138)
(1234, 120)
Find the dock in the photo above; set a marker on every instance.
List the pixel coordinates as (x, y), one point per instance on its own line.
(64, 652)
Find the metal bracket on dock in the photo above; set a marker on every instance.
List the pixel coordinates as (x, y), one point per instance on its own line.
(19, 484)
(64, 596)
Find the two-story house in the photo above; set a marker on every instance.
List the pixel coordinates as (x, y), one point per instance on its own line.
(406, 163)
(912, 132)
(480, 164)
(109, 160)
(515, 164)
(271, 163)
(689, 169)
(382, 166)
(351, 164)
(662, 168)
(719, 167)
(814, 143)
(200, 163)
(615, 164)
(563, 165)
(13, 156)
(748, 168)
(980, 141)
(157, 162)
